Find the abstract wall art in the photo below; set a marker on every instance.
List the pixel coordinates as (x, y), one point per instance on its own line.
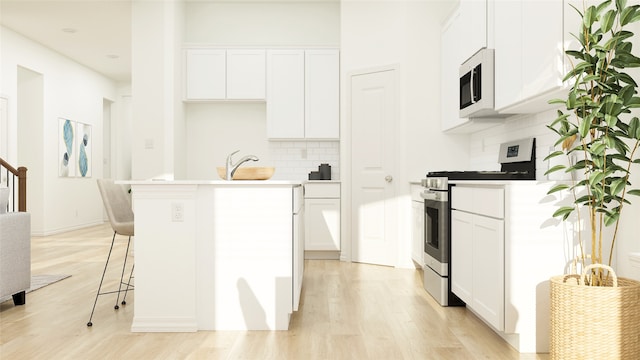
(74, 148)
(66, 148)
(83, 146)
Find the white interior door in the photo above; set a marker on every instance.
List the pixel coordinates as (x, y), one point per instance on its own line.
(373, 113)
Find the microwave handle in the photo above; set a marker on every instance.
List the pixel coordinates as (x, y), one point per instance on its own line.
(473, 85)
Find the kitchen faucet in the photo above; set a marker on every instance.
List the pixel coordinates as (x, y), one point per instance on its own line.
(231, 168)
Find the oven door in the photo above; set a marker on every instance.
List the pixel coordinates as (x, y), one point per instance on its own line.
(436, 223)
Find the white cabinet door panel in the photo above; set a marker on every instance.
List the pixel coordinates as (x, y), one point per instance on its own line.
(205, 74)
(322, 88)
(488, 270)
(246, 74)
(542, 60)
(285, 94)
(508, 53)
(322, 224)
(462, 255)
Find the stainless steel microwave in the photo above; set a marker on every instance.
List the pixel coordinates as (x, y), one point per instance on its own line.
(477, 85)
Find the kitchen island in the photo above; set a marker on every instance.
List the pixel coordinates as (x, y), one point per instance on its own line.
(216, 255)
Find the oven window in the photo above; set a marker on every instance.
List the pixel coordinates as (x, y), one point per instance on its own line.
(431, 227)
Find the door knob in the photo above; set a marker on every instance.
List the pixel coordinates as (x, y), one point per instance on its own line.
(388, 178)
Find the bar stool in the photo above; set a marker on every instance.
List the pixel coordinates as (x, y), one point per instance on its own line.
(118, 205)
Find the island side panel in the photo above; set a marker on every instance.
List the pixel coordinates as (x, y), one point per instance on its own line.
(165, 272)
(245, 257)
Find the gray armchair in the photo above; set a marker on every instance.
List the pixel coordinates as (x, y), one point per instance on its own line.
(15, 255)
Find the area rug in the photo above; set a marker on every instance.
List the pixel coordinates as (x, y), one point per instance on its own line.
(40, 281)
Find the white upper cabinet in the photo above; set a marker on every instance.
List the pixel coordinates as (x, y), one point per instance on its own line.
(321, 91)
(246, 74)
(450, 61)
(473, 26)
(529, 58)
(285, 94)
(303, 94)
(219, 74)
(465, 32)
(205, 74)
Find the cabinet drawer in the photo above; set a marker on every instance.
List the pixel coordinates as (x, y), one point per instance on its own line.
(462, 198)
(322, 190)
(487, 201)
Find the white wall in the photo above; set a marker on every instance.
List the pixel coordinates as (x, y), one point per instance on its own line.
(287, 23)
(69, 91)
(214, 130)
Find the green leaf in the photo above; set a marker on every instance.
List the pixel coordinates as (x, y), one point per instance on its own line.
(564, 211)
(606, 22)
(596, 178)
(598, 149)
(554, 169)
(634, 128)
(589, 16)
(627, 14)
(557, 188)
(610, 218)
(554, 154)
(583, 130)
(635, 192)
(621, 4)
(617, 186)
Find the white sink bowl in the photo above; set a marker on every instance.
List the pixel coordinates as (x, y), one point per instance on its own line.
(249, 173)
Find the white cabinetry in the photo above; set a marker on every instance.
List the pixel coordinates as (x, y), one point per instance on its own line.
(285, 94)
(246, 74)
(303, 94)
(322, 216)
(417, 235)
(298, 244)
(529, 58)
(477, 240)
(205, 74)
(219, 74)
(321, 94)
(473, 23)
(463, 34)
(451, 59)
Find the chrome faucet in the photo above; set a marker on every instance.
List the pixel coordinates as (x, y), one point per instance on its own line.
(231, 167)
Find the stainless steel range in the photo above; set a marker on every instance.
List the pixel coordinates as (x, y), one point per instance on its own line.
(518, 162)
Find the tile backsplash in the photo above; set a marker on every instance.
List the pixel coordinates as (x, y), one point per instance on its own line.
(485, 144)
(295, 159)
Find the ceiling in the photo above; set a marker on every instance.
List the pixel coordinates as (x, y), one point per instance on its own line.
(94, 33)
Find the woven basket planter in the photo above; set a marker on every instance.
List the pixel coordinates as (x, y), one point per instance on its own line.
(594, 322)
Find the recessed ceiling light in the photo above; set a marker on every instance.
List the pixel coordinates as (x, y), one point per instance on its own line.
(112, 56)
(69, 30)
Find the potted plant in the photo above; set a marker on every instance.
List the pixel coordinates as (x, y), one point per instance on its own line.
(599, 129)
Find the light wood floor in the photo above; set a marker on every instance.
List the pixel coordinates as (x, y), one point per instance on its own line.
(348, 311)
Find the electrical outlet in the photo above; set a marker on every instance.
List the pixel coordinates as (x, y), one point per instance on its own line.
(177, 212)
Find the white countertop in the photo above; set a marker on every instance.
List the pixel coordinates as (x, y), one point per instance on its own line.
(212, 182)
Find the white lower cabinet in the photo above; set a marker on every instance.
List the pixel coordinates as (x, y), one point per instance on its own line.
(417, 236)
(322, 216)
(477, 251)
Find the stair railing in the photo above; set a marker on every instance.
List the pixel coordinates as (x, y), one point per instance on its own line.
(13, 175)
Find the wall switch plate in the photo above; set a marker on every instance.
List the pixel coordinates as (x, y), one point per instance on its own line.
(177, 212)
